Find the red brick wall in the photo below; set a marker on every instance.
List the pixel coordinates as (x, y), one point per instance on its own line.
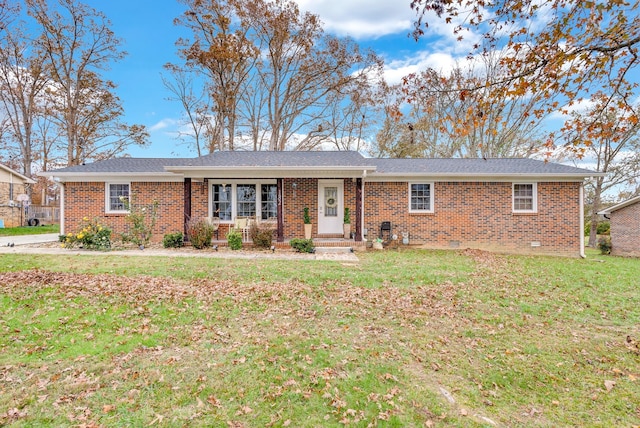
(625, 231)
(466, 214)
(88, 200)
(479, 215)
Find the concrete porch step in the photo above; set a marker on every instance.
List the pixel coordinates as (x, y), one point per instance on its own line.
(333, 250)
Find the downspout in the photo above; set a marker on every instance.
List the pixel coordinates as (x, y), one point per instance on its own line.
(364, 175)
(61, 184)
(582, 254)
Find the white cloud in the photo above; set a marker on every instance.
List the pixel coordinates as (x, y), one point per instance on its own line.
(361, 18)
(163, 124)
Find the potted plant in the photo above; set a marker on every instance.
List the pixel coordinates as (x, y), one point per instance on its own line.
(307, 223)
(346, 226)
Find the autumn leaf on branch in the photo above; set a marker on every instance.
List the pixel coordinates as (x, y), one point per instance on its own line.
(561, 50)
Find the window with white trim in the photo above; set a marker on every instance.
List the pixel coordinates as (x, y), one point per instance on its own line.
(421, 197)
(222, 206)
(243, 199)
(269, 202)
(525, 197)
(117, 197)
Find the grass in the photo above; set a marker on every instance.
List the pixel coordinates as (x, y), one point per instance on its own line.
(29, 230)
(402, 338)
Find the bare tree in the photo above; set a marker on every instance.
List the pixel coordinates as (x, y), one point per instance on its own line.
(273, 72)
(444, 119)
(22, 84)
(78, 44)
(303, 70)
(202, 127)
(222, 51)
(609, 138)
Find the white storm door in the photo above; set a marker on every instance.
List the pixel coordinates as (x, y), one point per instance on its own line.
(330, 206)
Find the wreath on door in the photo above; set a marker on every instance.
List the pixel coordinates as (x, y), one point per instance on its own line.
(331, 202)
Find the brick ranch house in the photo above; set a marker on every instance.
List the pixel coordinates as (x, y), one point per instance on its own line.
(625, 227)
(12, 184)
(506, 205)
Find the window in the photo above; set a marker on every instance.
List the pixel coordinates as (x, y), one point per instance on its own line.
(256, 200)
(222, 202)
(524, 197)
(117, 197)
(421, 197)
(269, 200)
(246, 200)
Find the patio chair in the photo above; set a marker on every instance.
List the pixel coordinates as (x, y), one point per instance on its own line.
(242, 225)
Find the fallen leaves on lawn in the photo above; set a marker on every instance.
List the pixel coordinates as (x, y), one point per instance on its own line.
(293, 298)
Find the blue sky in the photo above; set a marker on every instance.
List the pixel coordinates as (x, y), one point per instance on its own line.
(146, 26)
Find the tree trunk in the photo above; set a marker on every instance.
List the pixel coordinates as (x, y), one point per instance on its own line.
(595, 207)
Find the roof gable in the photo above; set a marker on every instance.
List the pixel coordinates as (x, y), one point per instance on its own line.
(621, 205)
(15, 173)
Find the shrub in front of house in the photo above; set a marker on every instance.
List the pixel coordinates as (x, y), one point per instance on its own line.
(92, 236)
(604, 245)
(234, 239)
(200, 233)
(261, 235)
(302, 245)
(173, 240)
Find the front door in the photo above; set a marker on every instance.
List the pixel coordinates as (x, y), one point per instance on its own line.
(330, 206)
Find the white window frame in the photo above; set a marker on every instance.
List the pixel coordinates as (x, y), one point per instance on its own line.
(534, 197)
(431, 192)
(234, 201)
(107, 197)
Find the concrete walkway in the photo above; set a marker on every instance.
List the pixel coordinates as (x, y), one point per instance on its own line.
(27, 244)
(28, 239)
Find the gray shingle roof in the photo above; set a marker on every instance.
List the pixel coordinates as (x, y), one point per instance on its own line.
(282, 159)
(501, 166)
(326, 159)
(124, 165)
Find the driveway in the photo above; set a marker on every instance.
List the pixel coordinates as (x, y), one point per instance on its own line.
(28, 239)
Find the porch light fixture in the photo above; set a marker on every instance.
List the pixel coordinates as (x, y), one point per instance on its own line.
(294, 185)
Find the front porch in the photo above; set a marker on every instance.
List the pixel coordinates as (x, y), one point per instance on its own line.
(280, 203)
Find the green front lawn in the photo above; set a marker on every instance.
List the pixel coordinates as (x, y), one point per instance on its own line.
(30, 230)
(402, 338)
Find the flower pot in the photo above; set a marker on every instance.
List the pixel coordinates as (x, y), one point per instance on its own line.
(377, 245)
(347, 230)
(307, 231)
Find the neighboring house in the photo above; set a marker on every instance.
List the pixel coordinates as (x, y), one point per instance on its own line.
(625, 227)
(12, 184)
(510, 205)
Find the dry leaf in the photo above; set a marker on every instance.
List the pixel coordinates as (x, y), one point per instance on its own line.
(609, 384)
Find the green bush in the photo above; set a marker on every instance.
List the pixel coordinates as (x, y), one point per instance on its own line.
(200, 233)
(92, 236)
(173, 240)
(302, 245)
(142, 220)
(261, 235)
(604, 245)
(604, 227)
(234, 239)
